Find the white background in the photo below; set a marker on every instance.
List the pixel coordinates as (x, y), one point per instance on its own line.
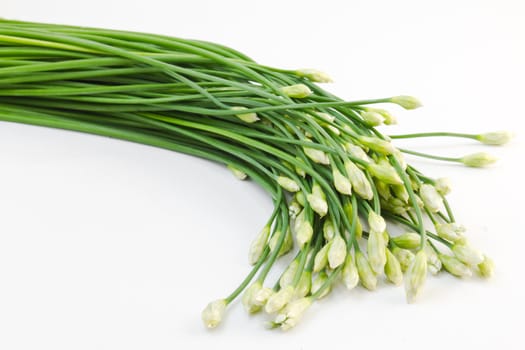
(110, 245)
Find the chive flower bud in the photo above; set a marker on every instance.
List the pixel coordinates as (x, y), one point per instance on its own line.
(389, 119)
(326, 117)
(304, 285)
(496, 138)
(434, 264)
(316, 155)
(416, 276)
(486, 267)
(398, 155)
(356, 151)
(376, 222)
(358, 180)
(296, 91)
(408, 240)
(385, 173)
(318, 283)
(454, 266)
(467, 255)
(393, 269)
(317, 200)
(294, 209)
(376, 251)
(431, 198)
(300, 198)
(248, 299)
(366, 275)
(376, 144)
(350, 275)
(451, 231)
(289, 274)
(328, 230)
(407, 102)
(241, 175)
(288, 184)
(278, 300)
(372, 118)
(249, 117)
(303, 229)
(478, 160)
(404, 256)
(287, 243)
(213, 313)
(292, 313)
(336, 252)
(342, 184)
(314, 75)
(258, 245)
(443, 186)
(401, 193)
(321, 258)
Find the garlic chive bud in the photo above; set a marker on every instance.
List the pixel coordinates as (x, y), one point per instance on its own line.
(467, 255)
(304, 232)
(298, 170)
(318, 283)
(376, 222)
(249, 117)
(408, 240)
(385, 173)
(316, 155)
(336, 252)
(486, 267)
(288, 184)
(326, 117)
(300, 198)
(321, 258)
(278, 300)
(358, 180)
(350, 274)
(443, 186)
(314, 75)
(328, 230)
(434, 264)
(404, 256)
(289, 274)
(296, 91)
(294, 209)
(258, 245)
(372, 118)
(213, 313)
(416, 276)
(287, 243)
(431, 198)
(376, 251)
(378, 145)
(401, 193)
(452, 232)
(356, 151)
(478, 160)
(304, 286)
(366, 275)
(407, 102)
(248, 298)
(393, 269)
(292, 313)
(241, 175)
(317, 200)
(496, 138)
(389, 119)
(342, 184)
(454, 266)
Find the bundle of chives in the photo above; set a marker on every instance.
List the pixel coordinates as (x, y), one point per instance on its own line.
(334, 178)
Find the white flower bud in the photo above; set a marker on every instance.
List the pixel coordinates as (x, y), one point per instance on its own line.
(372, 118)
(314, 75)
(478, 160)
(350, 274)
(328, 230)
(258, 245)
(213, 313)
(278, 300)
(241, 175)
(304, 285)
(287, 243)
(496, 138)
(336, 252)
(289, 274)
(385, 173)
(303, 230)
(404, 256)
(408, 240)
(398, 155)
(454, 266)
(321, 258)
(407, 102)
(366, 275)
(393, 269)
(434, 264)
(296, 91)
(431, 198)
(376, 144)
(356, 151)
(358, 180)
(300, 198)
(376, 222)
(486, 267)
(318, 283)
(376, 251)
(294, 209)
(248, 298)
(416, 276)
(326, 117)
(443, 186)
(401, 193)
(452, 232)
(249, 117)
(292, 313)
(342, 184)
(288, 184)
(316, 155)
(467, 255)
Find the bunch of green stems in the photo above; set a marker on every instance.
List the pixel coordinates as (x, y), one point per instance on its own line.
(333, 177)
